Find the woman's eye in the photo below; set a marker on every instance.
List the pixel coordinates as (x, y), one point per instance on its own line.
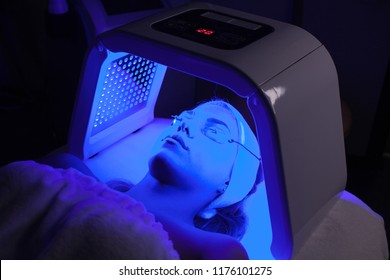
(215, 134)
(213, 131)
(209, 131)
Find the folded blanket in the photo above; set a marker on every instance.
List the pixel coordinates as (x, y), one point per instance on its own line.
(48, 213)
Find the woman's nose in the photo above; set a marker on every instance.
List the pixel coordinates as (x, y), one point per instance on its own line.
(184, 127)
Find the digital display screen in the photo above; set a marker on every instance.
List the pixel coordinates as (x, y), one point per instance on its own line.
(213, 29)
(205, 31)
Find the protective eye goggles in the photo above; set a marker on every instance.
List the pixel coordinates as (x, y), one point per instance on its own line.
(214, 131)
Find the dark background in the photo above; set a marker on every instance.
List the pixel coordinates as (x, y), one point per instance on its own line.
(41, 57)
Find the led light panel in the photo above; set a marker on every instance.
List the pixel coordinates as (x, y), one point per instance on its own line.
(124, 90)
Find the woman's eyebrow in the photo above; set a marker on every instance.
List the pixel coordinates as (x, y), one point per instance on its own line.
(217, 121)
(190, 113)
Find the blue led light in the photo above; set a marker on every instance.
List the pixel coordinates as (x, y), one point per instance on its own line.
(124, 91)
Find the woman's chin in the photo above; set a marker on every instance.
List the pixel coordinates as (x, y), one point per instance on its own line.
(165, 168)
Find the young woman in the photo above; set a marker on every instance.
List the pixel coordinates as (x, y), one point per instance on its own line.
(203, 168)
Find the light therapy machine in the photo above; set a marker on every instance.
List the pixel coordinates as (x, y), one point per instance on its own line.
(284, 78)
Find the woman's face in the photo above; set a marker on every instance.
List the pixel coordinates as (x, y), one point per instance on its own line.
(195, 152)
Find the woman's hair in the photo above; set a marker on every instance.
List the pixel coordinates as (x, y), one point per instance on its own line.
(230, 220)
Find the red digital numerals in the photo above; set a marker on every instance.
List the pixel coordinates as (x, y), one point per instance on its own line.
(205, 31)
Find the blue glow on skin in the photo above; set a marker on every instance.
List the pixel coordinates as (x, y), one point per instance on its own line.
(193, 159)
(185, 158)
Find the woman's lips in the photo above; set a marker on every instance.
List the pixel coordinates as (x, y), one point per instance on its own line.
(177, 139)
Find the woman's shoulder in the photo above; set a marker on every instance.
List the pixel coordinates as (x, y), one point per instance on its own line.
(194, 243)
(218, 246)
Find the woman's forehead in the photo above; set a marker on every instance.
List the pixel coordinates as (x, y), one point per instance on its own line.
(210, 111)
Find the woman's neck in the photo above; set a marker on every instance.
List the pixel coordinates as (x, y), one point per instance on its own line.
(164, 201)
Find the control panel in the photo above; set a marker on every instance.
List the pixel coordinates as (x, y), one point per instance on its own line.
(213, 29)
